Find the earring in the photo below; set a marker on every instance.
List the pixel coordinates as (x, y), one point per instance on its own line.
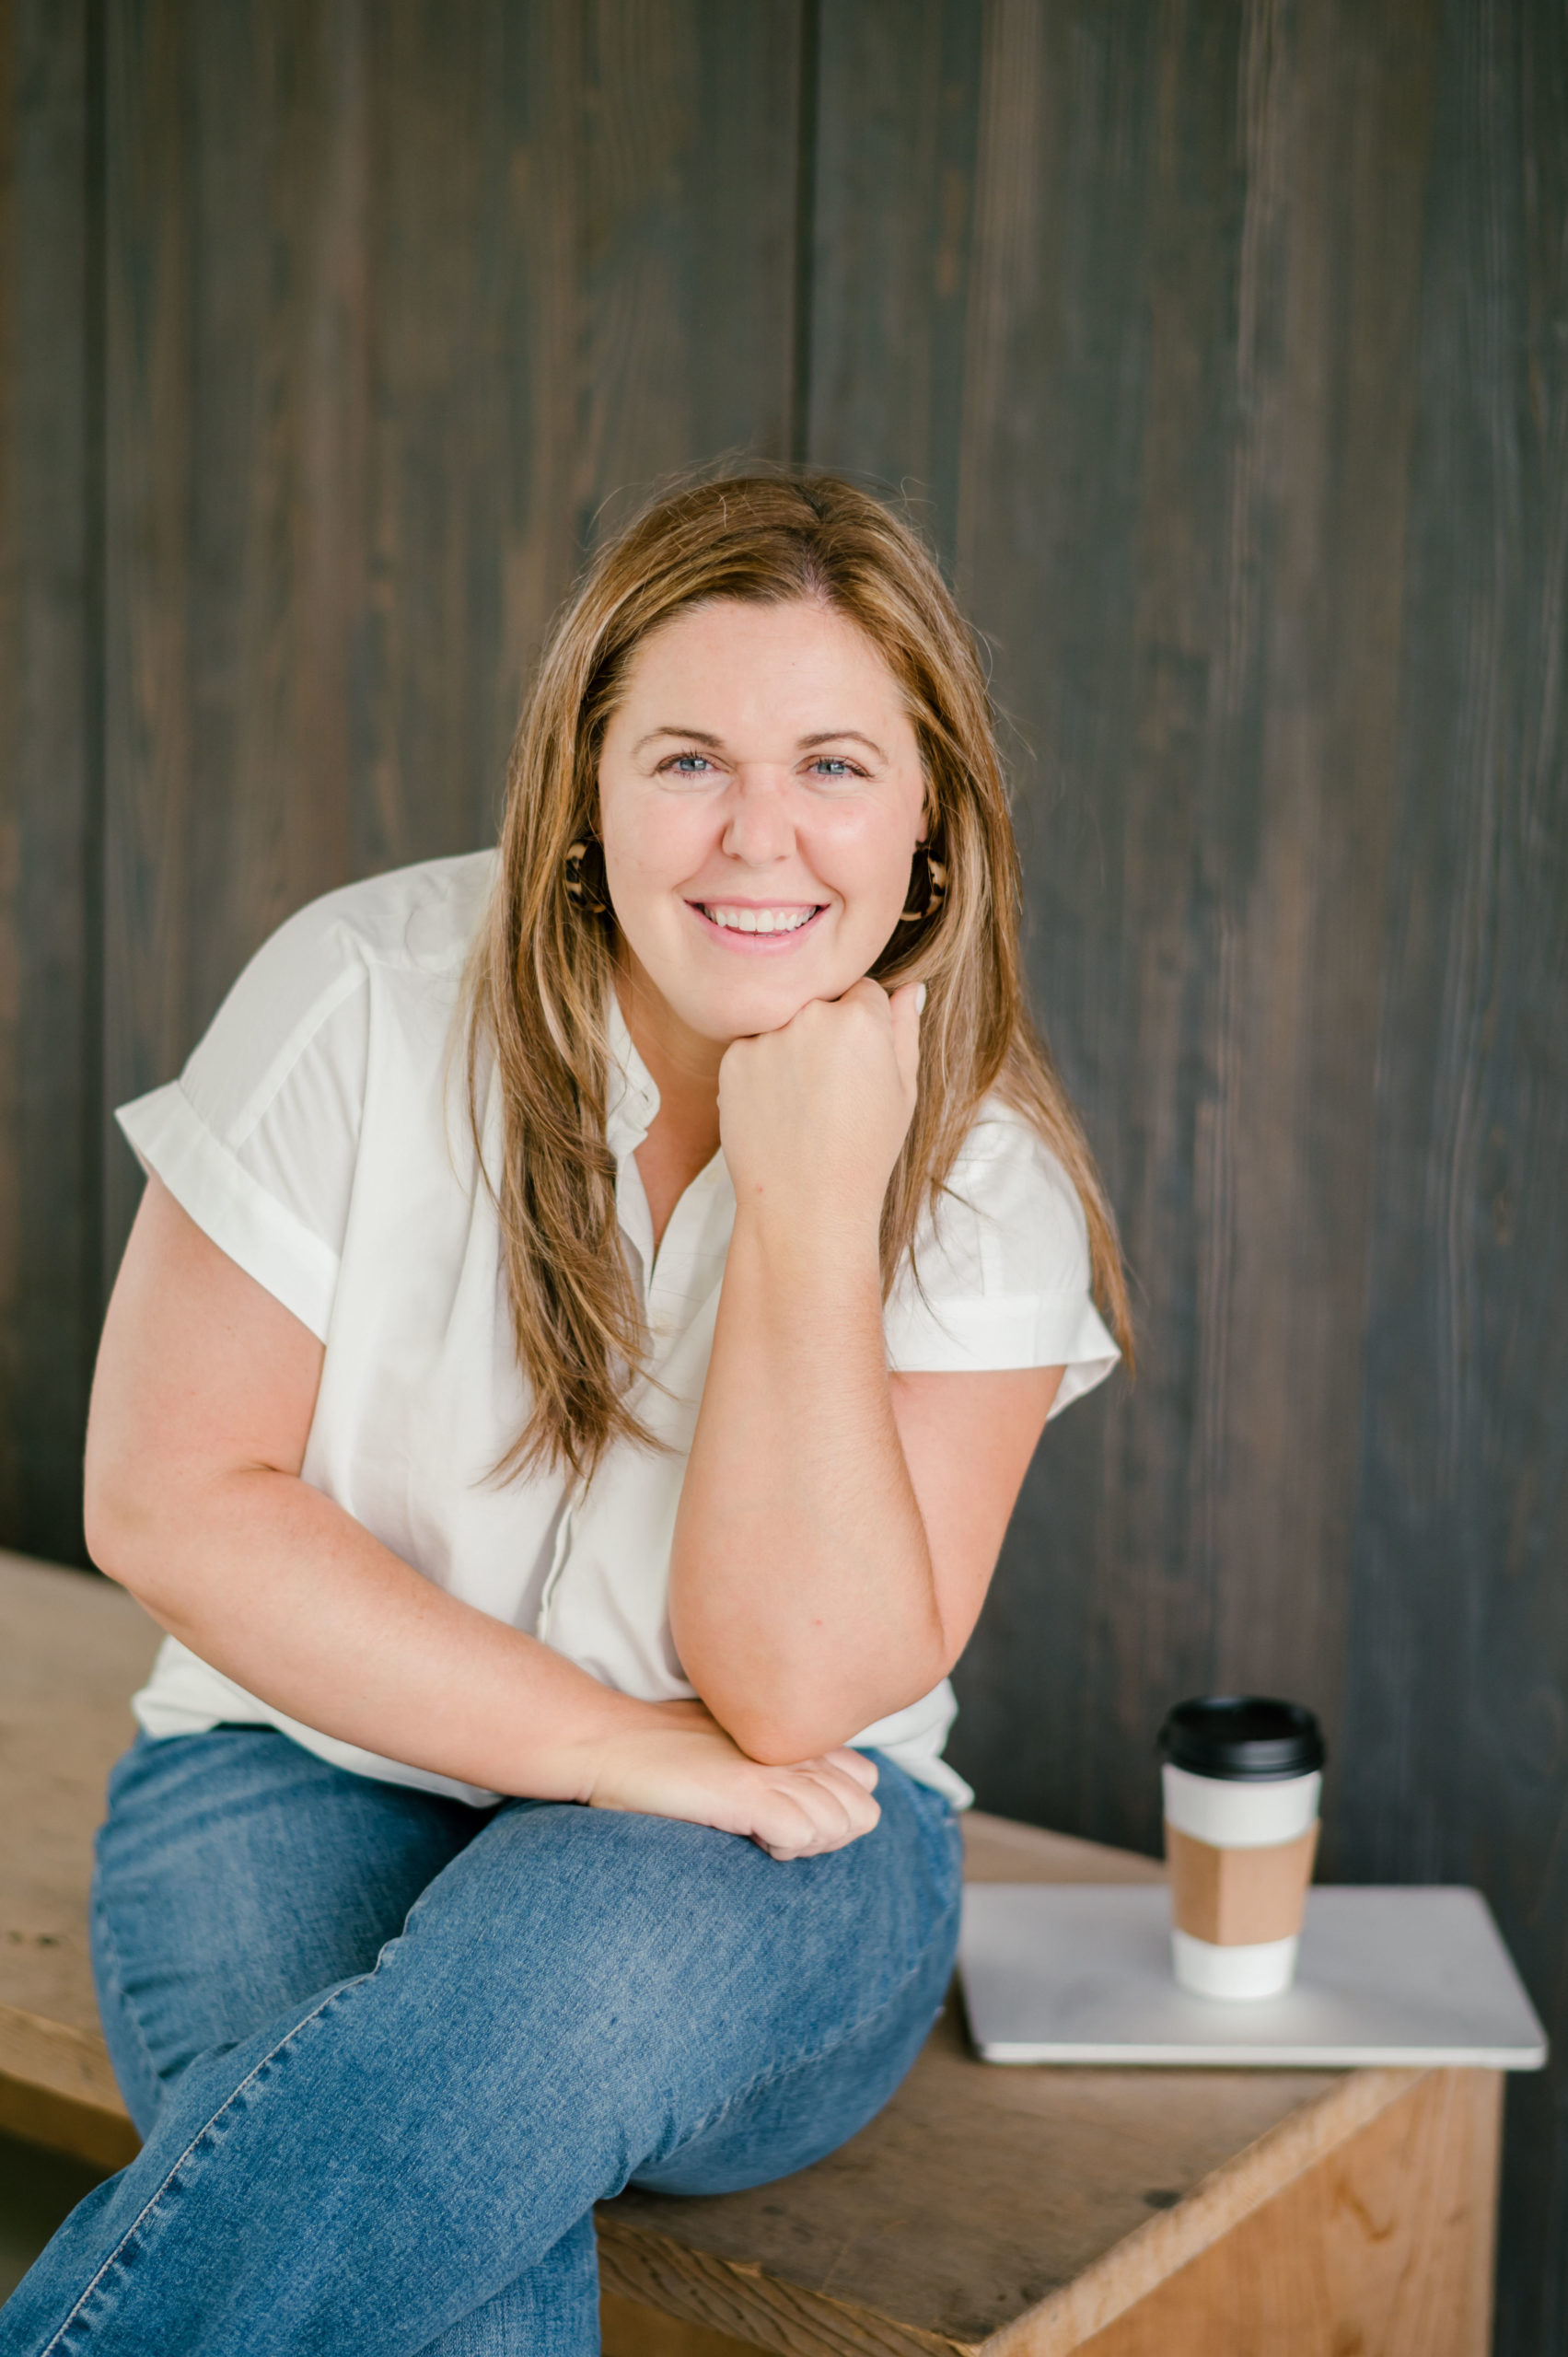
(585, 886)
(930, 890)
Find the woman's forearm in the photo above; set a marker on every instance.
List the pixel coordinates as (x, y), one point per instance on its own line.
(279, 1588)
(802, 1601)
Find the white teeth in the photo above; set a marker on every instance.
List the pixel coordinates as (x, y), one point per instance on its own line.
(759, 920)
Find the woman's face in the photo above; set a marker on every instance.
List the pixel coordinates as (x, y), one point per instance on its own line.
(760, 798)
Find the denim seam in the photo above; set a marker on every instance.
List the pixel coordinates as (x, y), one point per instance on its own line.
(116, 1964)
(128, 2011)
(766, 2079)
(155, 2197)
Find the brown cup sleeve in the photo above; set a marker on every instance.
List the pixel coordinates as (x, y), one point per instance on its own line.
(1238, 1897)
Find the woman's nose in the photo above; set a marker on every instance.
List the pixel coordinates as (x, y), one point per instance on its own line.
(759, 827)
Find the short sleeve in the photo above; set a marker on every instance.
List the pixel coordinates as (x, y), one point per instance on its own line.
(257, 1138)
(1000, 1277)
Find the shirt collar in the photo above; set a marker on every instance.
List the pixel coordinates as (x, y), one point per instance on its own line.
(631, 1097)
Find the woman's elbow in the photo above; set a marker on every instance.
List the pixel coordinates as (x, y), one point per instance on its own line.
(782, 1739)
(777, 1727)
(110, 1535)
(124, 1517)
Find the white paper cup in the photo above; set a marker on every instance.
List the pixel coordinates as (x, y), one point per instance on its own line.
(1240, 1839)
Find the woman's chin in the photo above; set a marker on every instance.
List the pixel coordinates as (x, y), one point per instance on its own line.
(754, 996)
(746, 1014)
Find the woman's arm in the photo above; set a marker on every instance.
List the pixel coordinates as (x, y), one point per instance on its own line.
(202, 1406)
(838, 1528)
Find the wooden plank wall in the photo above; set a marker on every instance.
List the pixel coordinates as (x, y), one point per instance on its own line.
(1223, 347)
(50, 779)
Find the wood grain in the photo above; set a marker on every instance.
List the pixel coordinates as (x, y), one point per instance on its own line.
(50, 782)
(1384, 2245)
(628, 2330)
(1456, 1707)
(73, 1650)
(896, 109)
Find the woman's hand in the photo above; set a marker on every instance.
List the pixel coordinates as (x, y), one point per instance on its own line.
(688, 1767)
(812, 1116)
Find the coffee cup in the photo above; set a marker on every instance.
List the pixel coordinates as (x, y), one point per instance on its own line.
(1242, 1776)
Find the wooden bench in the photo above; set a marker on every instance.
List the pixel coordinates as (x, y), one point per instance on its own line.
(1024, 2212)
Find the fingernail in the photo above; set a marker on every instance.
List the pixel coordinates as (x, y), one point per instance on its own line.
(920, 998)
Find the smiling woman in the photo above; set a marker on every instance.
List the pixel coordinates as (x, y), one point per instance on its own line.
(761, 862)
(763, 836)
(566, 1505)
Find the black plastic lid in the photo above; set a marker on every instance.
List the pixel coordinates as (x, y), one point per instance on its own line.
(1242, 1737)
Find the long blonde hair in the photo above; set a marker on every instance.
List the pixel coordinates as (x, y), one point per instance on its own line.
(544, 964)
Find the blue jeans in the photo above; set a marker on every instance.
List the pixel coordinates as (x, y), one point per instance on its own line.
(387, 2051)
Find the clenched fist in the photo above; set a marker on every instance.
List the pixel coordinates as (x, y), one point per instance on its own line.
(812, 1116)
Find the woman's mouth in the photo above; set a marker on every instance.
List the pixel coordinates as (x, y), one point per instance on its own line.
(752, 925)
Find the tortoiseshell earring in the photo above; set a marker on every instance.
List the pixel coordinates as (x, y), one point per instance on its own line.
(585, 886)
(928, 892)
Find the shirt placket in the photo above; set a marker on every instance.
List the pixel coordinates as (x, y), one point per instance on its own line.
(558, 1559)
(681, 1276)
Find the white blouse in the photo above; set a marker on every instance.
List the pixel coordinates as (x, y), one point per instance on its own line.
(320, 1135)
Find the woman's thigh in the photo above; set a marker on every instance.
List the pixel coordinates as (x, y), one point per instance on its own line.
(733, 2016)
(600, 1997)
(237, 1874)
(578, 1999)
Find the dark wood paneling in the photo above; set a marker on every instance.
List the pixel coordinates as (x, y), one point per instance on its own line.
(400, 296)
(49, 726)
(893, 198)
(1455, 1743)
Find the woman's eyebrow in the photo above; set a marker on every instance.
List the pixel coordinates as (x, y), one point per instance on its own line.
(839, 737)
(804, 744)
(695, 735)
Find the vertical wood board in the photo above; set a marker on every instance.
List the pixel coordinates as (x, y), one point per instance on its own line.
(49, 797)
(1457, 1718)
(1384, 2245)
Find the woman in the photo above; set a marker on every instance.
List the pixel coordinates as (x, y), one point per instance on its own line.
(591, 1312)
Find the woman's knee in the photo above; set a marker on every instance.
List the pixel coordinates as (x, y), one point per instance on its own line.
(678, 1955)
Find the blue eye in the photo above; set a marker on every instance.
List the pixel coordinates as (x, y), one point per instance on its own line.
(687, 764)
(833, 765)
